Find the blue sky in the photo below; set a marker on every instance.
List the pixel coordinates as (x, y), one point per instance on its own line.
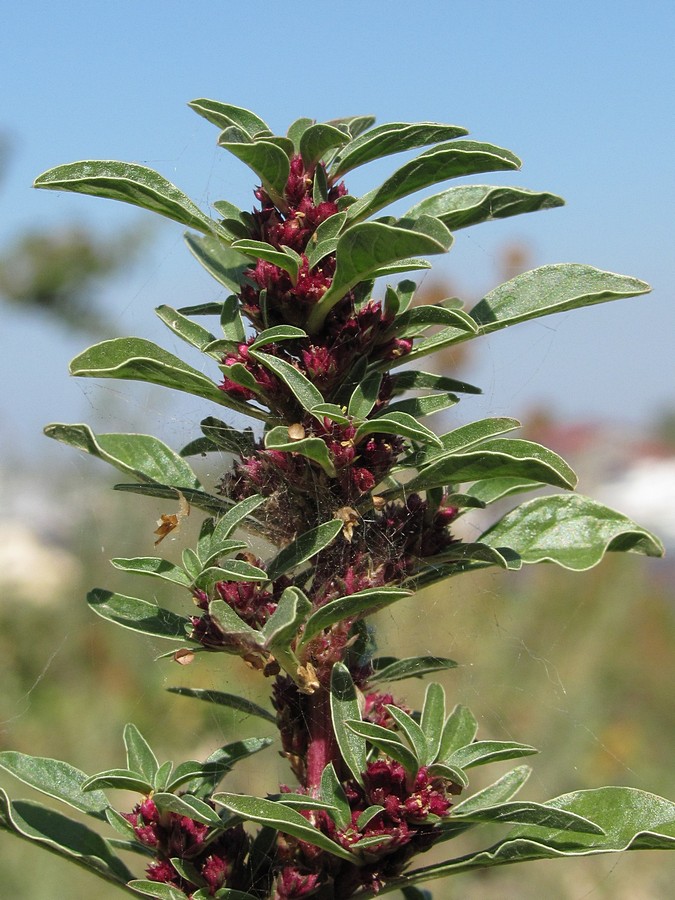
(582, 91)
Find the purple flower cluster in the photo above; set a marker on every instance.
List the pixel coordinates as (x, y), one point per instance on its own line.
(384, 842)
(216, 861)
(385, 539)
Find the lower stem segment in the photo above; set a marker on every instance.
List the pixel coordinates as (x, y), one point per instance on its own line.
(322, 748)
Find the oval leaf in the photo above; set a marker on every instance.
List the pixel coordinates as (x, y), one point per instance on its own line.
(55, 779)
(220, 261)
(502, 790)
(303, 548)
(438, 164)
(129, 183)
(498, 458)
(138, 615)
(393, 137)
(569, 530)
(136, 359)
(233, 701)
(344, 706)
(153, 565)
(470, 204)
(361, 251)
(387, 669)
(284, 819)
(552, 289)
(141, 455)
(351, 607)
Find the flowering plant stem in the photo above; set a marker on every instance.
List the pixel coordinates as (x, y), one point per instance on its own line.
(359, 501)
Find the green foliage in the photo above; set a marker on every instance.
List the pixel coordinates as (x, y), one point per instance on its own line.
(338, 504)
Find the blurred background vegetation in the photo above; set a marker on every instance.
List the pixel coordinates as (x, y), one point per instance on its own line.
(577, 665)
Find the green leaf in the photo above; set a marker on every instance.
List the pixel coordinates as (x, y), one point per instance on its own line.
(527, 813)
(140, 757)
(364, 249)
(129, 183)
(228, 438)
(192, 807)
(138, 615)
(367, 815)
(136, 359)
(631, 820)
(268, 161)
(191, 563)
(195, 772)
(413, 732)
(229, 570)
(351, 607)
(302, 389)
(411, 380)
(63, 836)
(55, 779)
(387, 742)
(479, 753)
(569, 530)
(433, 720)
(449, 160)
(224, 114)
(317, 139)
(156, 889)
(354, 124)
(231, 623)
(499, 792)
(119, 779)
(297, 129)
(185, 328)
(211, 553)
(365, 396)
(302, 801)
(451, 773)
(552, 289)
(233, 701)
(461, 557)
(390, 669)
(331, 791)
(283, 625)
(220, 261)
(203, 778)
(199, 499)
(153, 565)
(303, 548)
(313, 448)
(393, 137)
(141, 455)
(414, 322)
(284, 819)
(459, 731)
(497, 458)
(277, 334)
(325, 238)
(240, 512)
(330, 411)
(117, 821)
(468, 436)
(163, 775)
(344, 707)
(399, 423)
(262, 250)
(417, 407)
(470, 204)
(493, 489)
(202, 309)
